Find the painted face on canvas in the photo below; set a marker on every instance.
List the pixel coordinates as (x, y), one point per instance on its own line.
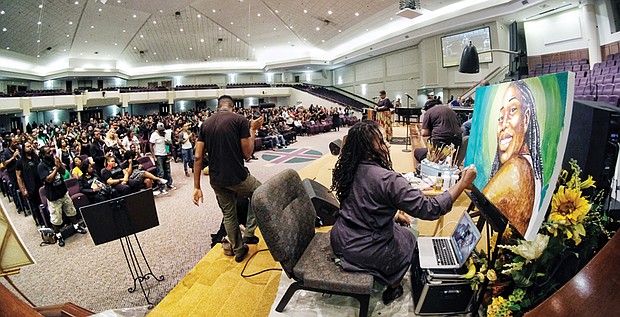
(512, 124)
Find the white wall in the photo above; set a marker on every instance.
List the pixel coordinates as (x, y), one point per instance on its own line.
(556, 33)
(604, 18)
(307, 99)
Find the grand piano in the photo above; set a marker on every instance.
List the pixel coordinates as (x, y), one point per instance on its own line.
(408, 113)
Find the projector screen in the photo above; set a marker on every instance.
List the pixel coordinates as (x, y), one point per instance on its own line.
(452, 46)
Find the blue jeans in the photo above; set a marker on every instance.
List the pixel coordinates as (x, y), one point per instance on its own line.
(188, 159)
(163, 170)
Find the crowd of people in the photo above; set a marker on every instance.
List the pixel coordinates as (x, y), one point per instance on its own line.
(103, 155)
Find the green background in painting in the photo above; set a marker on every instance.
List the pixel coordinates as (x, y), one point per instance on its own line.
(550, 95)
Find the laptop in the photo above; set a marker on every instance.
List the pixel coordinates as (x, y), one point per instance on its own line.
(449, 252)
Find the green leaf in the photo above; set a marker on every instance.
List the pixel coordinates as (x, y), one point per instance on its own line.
(514, 307)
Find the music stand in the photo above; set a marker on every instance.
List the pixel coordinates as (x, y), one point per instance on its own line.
(407, 113)
(120, 218)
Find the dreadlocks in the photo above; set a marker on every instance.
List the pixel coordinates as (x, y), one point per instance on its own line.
(359, 146)
(532, 136)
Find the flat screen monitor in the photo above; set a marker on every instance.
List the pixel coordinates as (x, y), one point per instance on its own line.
(452, 46)
(120, 217)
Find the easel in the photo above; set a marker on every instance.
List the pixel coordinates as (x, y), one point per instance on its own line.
(8, 279)
(488, 215)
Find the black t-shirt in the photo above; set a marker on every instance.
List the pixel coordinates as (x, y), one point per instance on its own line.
(85, 147)
(222, 134)
(114, 173)
(57, 188)
(29, 174)
(6, 155)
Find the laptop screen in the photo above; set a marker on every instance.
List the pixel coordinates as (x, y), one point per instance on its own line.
(465, 237)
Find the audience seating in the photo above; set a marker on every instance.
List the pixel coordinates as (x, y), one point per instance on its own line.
(147, 164)
(286, 218)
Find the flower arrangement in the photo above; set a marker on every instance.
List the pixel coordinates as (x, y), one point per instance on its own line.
(525, 273)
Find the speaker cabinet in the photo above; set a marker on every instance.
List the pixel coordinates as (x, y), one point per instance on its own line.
(335, 146)
(325, 204)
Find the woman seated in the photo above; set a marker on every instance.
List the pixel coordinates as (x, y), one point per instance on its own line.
(92, 186)
(118, 178)
(365, 236)
(76, 172)
(135, 171)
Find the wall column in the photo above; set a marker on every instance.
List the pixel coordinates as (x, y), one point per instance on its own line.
(590, 31)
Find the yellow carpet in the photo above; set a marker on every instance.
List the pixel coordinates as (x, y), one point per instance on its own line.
(214, 287)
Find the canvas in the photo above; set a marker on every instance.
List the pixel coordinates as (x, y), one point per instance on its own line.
(517, 142)
(13, 252)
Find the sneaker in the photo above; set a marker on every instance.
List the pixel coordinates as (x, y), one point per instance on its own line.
(244, 251)
(163, 181)
(163, 192)
(156, 192)
(61, 240)
(172, 187)
(251, 240)
(390, 294)
(79, 229)
(187, 173)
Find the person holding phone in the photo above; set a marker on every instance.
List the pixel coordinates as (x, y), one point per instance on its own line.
(228, 138)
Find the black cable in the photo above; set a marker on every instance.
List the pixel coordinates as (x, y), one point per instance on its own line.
(260, 272)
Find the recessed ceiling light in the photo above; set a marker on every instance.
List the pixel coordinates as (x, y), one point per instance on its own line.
(3, 29)
(177, 58)
(339, 31)
(161, 11)
(39, 23)
(100, 10)
(85, 41)
(141, 36)
(290, 27)
(213, 10)
(67, 35)
(2, 12)
(209, 56)
(231, 23)
(64, 50)
(80, 54)
(258, 14)
(115, 44)
(181, 30)
(190, 48)
(124, 31)
(357, 14)
(77, 2)
(238, 40)
(220, 28)
(274, 29)
(147, 60)
(38, 41)
(329, 12)
(8, 48)
(248, 34)
(70, 22)
(305, 39)
(92, 26)
(318, 28)
(323, 41)
(40, 55)
(305, 11)
(135, 48)
(202, 40)
(118, 1)
(277, 11)
(220, 49)
(154, 22)
(198, 16)
(366, 30)
(135, 16)
(154, 53)
(40, 6)
(254, 49)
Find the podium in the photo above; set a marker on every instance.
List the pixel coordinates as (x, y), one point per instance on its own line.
(370, 114)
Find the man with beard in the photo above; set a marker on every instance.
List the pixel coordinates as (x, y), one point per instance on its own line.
(97, 150)
(29, 181)
(50, 170)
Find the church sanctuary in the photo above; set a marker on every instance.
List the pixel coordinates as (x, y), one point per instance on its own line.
(309, 158)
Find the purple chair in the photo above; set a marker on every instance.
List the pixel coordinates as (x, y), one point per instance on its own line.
(148, 165)
(580, 90)
(616, 90)
(599, 80)
(613, 100)
(576, 68)
(79, 199)
(597, 66)
(608, 79)
(606, 70)
(609, 63)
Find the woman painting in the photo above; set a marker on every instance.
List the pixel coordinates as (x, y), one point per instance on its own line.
(516, 174)
(365, 236)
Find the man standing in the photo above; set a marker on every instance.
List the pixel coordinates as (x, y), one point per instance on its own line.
(158, 142)
(186, 148)
(29, 181)
(441, 125)
(10, 156)
(50, 169)
(228, 138)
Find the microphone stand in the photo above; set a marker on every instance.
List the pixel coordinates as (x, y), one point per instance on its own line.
(407, 116)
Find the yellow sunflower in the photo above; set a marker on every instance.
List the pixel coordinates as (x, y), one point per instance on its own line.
(568, 207)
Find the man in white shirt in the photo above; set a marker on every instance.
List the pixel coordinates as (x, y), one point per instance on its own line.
(158, 143)
(187, 150)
